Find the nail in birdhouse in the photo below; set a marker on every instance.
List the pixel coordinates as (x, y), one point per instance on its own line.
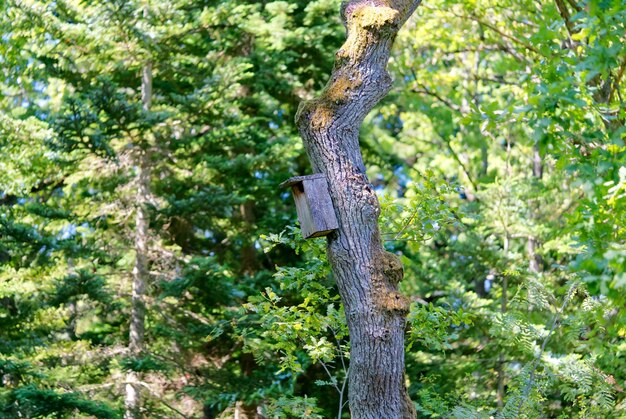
(313, 204)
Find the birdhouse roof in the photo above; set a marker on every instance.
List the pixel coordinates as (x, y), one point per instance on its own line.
(299, 179)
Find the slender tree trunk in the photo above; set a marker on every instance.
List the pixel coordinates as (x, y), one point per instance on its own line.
(537, 162)
(140, 270)
(72, 306)
(367, 275)
(249, 260)
(484, 158)
(73, 317)
(534, 260)
(500, 393)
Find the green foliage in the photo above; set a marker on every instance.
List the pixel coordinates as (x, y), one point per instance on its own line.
(435, 327)
(299, 321)
(38, 403)
(421, 214)
(294, 407)
(79, 284)
(144, 364)
(499, 161)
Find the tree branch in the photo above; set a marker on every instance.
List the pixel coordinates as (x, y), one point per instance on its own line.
(564, 12)
(617, 81)
(498, 31)
(424, 90)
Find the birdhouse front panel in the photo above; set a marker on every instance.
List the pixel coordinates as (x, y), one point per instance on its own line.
(313, 205)
(322, 210)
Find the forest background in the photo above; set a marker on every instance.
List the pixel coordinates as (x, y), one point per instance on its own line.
(146, 250)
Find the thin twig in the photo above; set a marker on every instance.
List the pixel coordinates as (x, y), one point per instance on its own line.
(574, 5)
(330, 376)
(410, 220)
(495, 29)
(463, 167)
(424, 90)
(560, 5)
(345, 380)
(617, 81)
(154, 394)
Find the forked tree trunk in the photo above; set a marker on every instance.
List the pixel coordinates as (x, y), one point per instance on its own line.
(367, 275)
(136, 341)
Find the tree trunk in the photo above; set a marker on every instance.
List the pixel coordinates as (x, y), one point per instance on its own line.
(249, 261)
(534, 260)
(537, 162)
(367, 275)
(72, 306)
(140, 270)
(501, 390)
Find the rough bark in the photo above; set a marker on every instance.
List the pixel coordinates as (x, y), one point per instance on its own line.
(367, 275)
(140, 271)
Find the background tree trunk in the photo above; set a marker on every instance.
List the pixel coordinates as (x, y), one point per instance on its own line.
(534, 260)
(501, 390)
(367, 275)
(140, 270)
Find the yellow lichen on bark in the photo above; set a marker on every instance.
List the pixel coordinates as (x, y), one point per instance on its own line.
(354, 47)
(394, 301)
(322, 116)
(392, 267)
(320, 112)
(374, 17)
(388, 273)
(364, 25)
(338, 90)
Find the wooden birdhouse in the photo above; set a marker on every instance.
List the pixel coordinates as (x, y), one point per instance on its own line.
(313, 204)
